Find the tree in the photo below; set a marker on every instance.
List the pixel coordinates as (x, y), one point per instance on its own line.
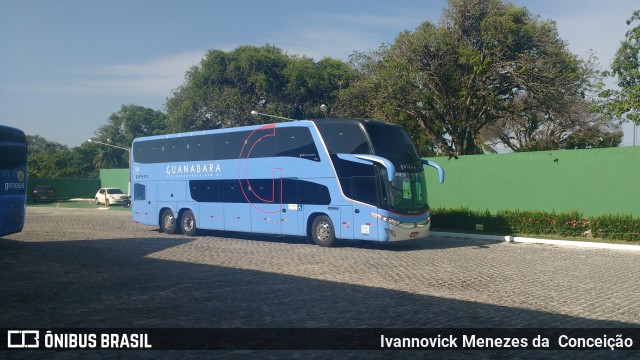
(535, 123)
(49, 159)
(308, 85)
(37, 144)
(624, 103)
(222, 90)
(130, 122)
(457, 77)
(225, 87)
(41, 153)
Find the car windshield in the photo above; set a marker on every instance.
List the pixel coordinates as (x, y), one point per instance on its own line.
(114, 191)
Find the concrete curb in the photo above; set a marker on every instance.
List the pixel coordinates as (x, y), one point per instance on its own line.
(507, 238)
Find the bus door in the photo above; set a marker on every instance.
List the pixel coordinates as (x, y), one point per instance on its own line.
(344, 230)
(292, 211)
(237, 210)
(274, 207)
(365, 191)
(364, 224)
(143, 207)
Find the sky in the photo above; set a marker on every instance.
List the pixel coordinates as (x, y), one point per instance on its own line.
(67, 65)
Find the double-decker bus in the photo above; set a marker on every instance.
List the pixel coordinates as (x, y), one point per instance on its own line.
(13, 179)
(326, 179)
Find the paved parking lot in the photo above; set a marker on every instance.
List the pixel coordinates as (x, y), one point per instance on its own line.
(96, 268)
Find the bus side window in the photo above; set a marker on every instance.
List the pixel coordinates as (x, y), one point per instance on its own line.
(230, 192)
(363, 189)
(297, 142)
(139, 191)
(312, 193)
(261, 143)
(228, 145)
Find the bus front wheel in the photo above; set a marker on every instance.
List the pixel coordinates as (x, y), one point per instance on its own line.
(322, 231)
(168, 222)
(188, 223)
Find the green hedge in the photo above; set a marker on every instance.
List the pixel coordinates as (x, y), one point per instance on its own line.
(565, 224)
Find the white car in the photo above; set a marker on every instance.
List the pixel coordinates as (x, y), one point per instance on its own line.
(111, 196)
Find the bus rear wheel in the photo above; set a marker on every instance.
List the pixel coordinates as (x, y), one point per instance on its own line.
(188, 223)
(322, 231)
(168, 222)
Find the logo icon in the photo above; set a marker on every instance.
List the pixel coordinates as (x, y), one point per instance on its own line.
(21, 339)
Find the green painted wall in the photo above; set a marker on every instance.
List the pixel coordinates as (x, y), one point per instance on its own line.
(594, 181)
(67, 188)
(118, 178)
(83, 188)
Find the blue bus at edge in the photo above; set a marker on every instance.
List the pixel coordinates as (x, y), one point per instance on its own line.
(13, 179)
(326, 179)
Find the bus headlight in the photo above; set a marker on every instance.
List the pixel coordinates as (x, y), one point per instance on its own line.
(386, 219)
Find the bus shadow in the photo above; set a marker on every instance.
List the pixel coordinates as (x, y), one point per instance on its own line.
(114, 283)
(429, 243)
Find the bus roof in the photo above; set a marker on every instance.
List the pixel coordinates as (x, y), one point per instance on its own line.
(8, 130)
(303, 123)
(351, 121)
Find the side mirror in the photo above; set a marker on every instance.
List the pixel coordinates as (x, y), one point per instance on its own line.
(369, 160)
(437, 167)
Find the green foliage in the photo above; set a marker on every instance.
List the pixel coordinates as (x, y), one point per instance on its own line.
(48, 159)
(622, 227)
(130, 122)
(474, 69)
(568, 224)
(66, 163)
(465, 219)
(592, 137)
(564, 224)
(37, 144)
(226, 86)
(624, 103)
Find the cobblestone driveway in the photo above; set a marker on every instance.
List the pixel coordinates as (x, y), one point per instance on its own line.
(96, 268)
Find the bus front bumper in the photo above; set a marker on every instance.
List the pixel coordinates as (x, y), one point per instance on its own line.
(408, 231)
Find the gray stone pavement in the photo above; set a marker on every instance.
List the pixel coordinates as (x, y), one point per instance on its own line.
(96, 268)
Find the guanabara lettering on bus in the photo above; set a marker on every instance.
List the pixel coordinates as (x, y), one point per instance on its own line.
(326, 179)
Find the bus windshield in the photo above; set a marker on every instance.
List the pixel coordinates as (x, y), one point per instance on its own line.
(393, 143)
(14, 153)
(406, 194)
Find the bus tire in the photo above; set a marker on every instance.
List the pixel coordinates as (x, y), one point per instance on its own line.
(168, 222)
(322, 231)
(188, 223)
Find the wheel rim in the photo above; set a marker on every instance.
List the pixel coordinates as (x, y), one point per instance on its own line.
(188, 223)
(323, 231)
(168, 221)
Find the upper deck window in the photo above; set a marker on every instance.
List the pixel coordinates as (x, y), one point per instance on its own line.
(288, 142)
(345, 138)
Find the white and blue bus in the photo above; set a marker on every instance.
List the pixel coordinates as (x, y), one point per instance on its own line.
(13, 179)
(326, 179)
